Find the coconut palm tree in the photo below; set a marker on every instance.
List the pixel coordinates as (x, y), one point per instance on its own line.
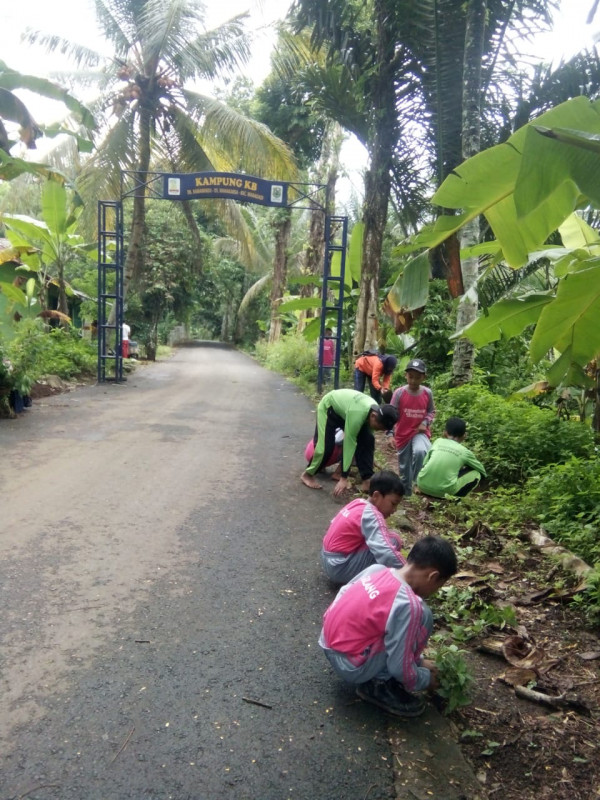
(153, 108)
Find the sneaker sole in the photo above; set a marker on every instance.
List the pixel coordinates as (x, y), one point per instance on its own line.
(417, 712)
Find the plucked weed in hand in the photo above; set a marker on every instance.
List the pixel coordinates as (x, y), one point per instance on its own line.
(456, 679)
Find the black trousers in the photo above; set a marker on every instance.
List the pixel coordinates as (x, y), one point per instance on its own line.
(365, 443)
(360, 379)
(468, 486)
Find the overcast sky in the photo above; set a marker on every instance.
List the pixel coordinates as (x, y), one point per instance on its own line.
(75, 21)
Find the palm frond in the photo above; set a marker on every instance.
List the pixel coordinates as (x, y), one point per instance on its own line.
(234, 142)
(502, 279)
(257, 288)
(81, 56)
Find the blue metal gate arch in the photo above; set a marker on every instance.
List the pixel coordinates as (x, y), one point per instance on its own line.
(240, 187)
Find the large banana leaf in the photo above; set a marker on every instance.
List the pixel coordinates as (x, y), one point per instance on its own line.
(506, 318)
(13, 167)
(54, 207)
(411, 288)
(10, 79)
(353, 261)
(571, 320)
(299, 304)
(525, 187)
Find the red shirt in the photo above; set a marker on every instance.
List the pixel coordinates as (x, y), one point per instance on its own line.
(413, 409)
(328, 352)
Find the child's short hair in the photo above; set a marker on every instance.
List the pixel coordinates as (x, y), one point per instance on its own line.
(386, 482)
(435, 552)
(387, 414)
(456, 426)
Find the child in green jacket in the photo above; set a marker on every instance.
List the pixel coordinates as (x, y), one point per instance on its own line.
(450, 468)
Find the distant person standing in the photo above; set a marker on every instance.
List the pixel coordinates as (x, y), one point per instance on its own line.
(377, 370)
(125, 333)
(328, 355)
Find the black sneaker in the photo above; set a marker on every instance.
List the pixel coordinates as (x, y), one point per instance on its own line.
(391, 697)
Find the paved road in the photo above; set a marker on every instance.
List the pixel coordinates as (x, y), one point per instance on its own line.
(159, 570)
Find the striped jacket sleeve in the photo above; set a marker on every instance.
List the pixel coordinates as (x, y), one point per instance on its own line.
(383, 544)
(410, 624)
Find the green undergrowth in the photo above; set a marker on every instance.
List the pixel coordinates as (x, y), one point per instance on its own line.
(36, 351)
(455, 676)
(296, 358)
(514, 439)
(562, 499)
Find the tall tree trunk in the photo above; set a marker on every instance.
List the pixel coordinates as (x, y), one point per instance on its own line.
(464, 352)
(186, 207)
(63, 305)
(283, 227)
(377, 182)
(134, 262)
(326, 172)
(596, 415)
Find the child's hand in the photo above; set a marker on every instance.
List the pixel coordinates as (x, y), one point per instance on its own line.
(340, 487)
(434, 682)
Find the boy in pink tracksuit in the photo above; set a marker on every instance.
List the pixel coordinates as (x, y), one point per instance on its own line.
(358, 536)
(375, 631)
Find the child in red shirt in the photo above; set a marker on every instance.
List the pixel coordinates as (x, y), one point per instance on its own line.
(416, 412)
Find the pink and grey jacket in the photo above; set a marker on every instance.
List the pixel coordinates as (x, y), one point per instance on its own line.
(379, 613)
(357, 538)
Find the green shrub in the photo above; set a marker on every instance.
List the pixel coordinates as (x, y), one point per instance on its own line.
(565, 499)
(589, 600)
(292, 355)
(36, 351)
(513, 438)
(455, 676)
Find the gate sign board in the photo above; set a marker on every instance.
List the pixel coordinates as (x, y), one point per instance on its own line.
(224, 186)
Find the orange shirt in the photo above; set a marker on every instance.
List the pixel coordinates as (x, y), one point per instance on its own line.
(373, 367)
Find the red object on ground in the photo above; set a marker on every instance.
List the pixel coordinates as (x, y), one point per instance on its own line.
(335, 456)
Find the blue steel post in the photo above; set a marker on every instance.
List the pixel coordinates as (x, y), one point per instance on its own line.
(110, 289)
(332, 300)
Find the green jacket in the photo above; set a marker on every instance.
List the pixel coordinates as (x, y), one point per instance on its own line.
(439, 473)
(353, 407)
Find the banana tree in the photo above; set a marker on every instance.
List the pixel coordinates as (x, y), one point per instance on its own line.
(47, 245)
(527, 188)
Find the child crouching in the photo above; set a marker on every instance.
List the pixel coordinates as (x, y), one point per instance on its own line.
(358, 535)
(375, 631)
